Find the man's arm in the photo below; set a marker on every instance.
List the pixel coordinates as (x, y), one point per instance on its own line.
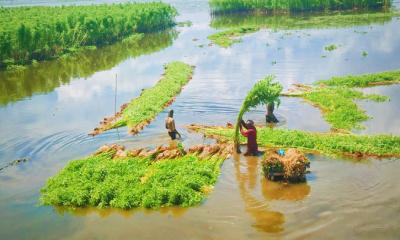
(242, 123)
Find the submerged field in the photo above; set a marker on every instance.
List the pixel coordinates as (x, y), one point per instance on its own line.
(351, 191)
(39, 33)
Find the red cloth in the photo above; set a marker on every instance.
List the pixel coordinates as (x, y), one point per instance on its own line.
(251, 134)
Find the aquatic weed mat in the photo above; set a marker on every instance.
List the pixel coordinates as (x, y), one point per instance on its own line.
(104, 180)
(331, 144)
(141, 110)
(336, 97)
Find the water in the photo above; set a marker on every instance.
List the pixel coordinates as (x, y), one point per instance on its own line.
(47, 111)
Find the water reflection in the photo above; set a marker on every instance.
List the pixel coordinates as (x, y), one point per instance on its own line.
(248, 177)
(302, 21)
(106, 212)
(46, 76)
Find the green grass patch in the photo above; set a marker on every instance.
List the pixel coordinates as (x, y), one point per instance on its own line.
(223, 6)
(46, 32)
(338, 106)
(131, 182)
(334, 144)
(229, 37)
(366, 80)
(141, 110)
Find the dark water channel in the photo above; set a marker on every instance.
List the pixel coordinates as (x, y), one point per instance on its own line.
(47, 110)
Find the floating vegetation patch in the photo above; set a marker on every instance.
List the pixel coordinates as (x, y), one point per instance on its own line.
(224, 6)
(338, 106)
(364, 53)
(184, 24)
(141, 110)
(44, 32)
(330, 48)
(116, 178)
(229, 37)
(48, 75)
(334, 144)
(365, 80)
(233, 23)
(336, 97)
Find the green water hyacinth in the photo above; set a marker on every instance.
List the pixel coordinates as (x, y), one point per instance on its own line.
(264, 92)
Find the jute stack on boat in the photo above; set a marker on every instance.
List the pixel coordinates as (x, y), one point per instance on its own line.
(290, 166)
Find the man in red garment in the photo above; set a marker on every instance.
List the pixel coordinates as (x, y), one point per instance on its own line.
(251, 134)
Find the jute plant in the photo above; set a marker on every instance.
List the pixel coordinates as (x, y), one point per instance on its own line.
(264, 92)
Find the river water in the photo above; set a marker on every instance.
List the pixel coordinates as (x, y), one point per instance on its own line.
(47, 111)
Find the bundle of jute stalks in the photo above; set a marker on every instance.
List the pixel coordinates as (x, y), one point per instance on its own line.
(289, 166)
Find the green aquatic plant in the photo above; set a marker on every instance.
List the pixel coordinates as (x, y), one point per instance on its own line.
(46, 32)
(330, 48)
(365, 80)
(364, 53)
(338, 106)
(334, 144)
(131, 182)
(229, 37)
(223, 6)
(336, 98)
(263, 92)
(141, 110)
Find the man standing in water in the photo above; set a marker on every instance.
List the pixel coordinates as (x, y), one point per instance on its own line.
(170, 125)
(251, 134)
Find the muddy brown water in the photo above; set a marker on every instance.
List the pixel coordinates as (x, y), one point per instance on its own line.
(47, 111)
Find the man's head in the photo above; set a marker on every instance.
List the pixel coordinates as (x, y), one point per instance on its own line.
(171, 113)
(250, 123)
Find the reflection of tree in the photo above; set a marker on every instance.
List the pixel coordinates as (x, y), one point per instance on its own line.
(266, 220)
(46, 76)
(333, 20)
